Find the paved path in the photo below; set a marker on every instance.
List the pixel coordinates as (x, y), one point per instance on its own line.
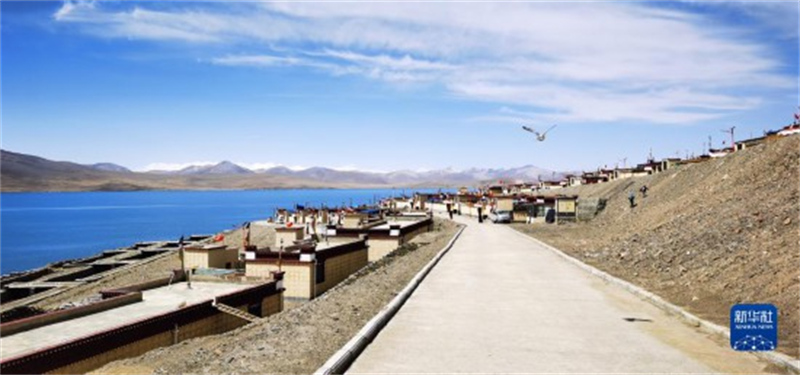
(499, 302)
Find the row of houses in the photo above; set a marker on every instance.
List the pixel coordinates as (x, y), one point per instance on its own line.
(537, 202)
(317, 254)
(524, 207)
(217, 289)
(651, 166)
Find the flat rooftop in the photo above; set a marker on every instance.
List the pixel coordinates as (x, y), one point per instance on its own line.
(154, 302)
(401, 223)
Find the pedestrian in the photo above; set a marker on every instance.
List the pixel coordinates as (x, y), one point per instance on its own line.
(480, 214)
(450, 210)
(632, 199)
(643, 189)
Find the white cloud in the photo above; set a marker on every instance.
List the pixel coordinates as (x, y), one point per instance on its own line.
(579, 61)
(269, 61)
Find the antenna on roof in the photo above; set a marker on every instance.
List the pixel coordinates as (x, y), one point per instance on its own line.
(730, 131)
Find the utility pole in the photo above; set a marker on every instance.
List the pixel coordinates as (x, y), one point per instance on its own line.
(733, 142)
(280, 256)
(183, 263)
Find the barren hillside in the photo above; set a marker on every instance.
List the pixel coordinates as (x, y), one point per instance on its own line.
(707, 236)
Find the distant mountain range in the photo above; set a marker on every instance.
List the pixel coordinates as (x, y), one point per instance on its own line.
(110, 167)
(22, 172)
(470, 176)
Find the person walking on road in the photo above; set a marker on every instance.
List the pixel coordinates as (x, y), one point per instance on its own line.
(480, 214)
(643, 189)
(450, 210)
(632, 198)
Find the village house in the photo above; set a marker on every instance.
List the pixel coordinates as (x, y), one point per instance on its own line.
(503, 203)
(601, 175)
(546, 209)
(551, 185)
(669, 163)
(620, 173)
(386, 236)
(310, 268)
(790, 129)
(210, 256)
(743, 144)
(718, 152)
(132, 320)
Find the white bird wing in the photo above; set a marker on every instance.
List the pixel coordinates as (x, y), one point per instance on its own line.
(550, 128)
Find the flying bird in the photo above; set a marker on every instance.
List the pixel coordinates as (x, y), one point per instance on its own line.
(539, 136)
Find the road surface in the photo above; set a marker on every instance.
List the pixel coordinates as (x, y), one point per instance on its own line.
(501, 303)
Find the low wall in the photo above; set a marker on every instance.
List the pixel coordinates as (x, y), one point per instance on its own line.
(37, 321)
(382, 243)
(379, 248)
(588, 208)
(296, 280)
(339, 268)
(466, 210)
(27, 276)
(90, 352)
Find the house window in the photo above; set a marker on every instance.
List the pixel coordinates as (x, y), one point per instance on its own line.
(320, 271)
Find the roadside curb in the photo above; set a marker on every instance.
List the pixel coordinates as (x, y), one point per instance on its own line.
(784, 361)
(342, 359)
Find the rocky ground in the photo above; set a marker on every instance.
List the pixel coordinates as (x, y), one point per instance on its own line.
(301, 339)
(155, 269)
(707, 236)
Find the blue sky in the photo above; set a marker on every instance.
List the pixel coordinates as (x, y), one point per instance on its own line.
(387, 85)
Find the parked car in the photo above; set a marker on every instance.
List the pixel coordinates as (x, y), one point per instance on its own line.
(500, 217)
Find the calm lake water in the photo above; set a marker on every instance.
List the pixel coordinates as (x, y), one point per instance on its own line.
(39, 228)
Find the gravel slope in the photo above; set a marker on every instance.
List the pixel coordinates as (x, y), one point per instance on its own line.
(707, 236)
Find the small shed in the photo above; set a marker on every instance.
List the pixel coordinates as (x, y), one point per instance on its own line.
(566, 208)
(210, 256)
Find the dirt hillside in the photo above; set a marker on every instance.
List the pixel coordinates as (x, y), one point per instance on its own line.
(707, 235)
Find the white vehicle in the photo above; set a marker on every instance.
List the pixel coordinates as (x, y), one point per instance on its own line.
(500, 217)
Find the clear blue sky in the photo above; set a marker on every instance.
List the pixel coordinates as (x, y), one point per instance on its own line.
(387, 86)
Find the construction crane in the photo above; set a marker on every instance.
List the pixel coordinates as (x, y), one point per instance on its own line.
(539, 136)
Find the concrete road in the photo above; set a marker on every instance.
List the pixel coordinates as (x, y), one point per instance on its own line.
(500, 303)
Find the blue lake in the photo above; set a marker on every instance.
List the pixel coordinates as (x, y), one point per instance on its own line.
(39, 228)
